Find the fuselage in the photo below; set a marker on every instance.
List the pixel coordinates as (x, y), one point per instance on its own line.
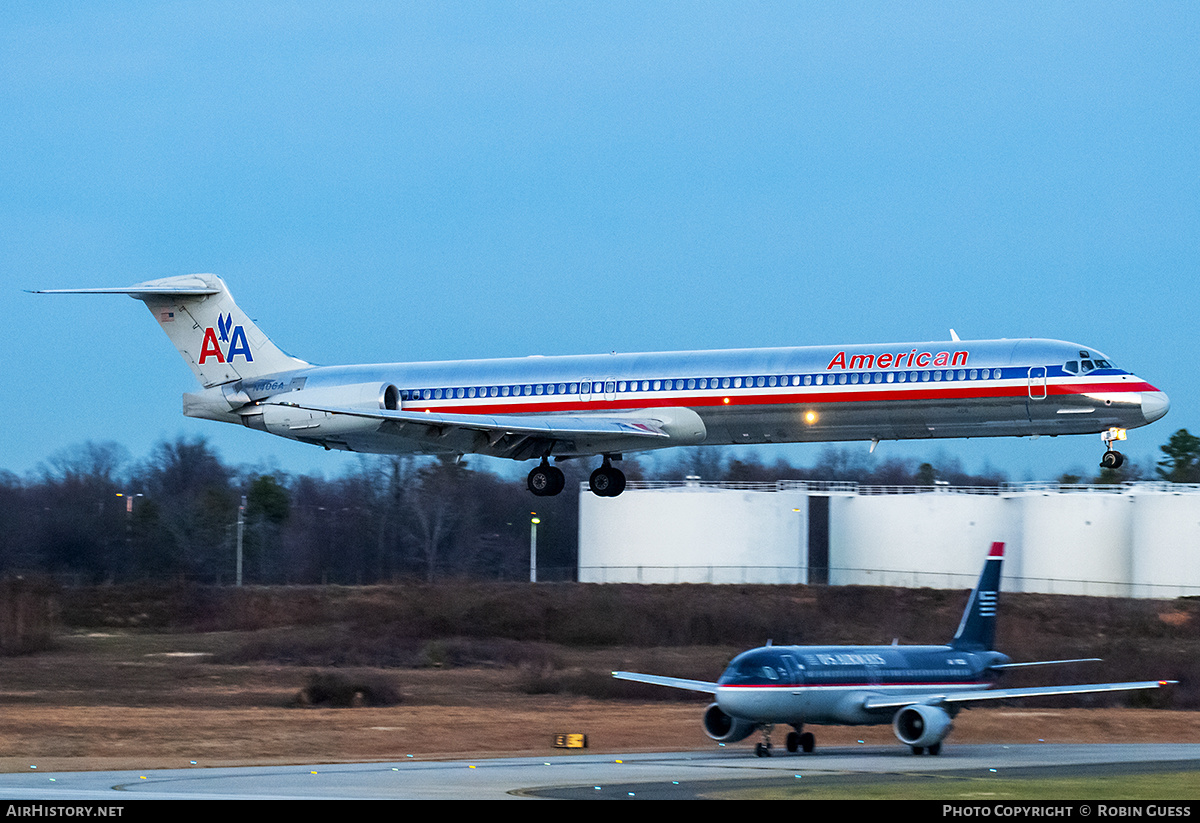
(828, 684)
(749, 396)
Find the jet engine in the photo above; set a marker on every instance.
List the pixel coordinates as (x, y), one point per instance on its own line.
(921, 726)
(289, 416)
(723, 728)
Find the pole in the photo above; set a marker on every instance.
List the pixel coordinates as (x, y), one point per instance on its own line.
(533, 524)
(240, 524)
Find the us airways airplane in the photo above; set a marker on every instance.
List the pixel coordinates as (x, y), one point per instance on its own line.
(538, 408)
(917, 689)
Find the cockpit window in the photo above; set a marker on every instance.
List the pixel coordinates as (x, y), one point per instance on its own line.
(1071, 366)
(755, 668)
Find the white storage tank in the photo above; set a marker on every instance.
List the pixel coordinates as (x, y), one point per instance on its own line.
(936, 539)
(1076, 542)
(693, 534)
(1166, 534)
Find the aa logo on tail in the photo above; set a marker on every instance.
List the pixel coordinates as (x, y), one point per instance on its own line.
(233, 337)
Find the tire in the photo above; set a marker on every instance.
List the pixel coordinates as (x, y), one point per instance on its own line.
(542, 481)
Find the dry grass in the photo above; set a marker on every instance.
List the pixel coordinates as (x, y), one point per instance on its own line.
(136, 701)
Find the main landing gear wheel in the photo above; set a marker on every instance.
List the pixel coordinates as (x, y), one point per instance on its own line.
(934, 750)
(801, 741)
(546, 480)
(607, 481)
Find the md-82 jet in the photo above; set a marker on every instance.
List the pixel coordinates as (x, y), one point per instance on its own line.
(916, 689)
(606, 405)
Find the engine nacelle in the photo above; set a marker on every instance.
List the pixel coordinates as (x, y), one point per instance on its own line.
(921, 725)
(363, 396)
(723, 728)
(297, 417)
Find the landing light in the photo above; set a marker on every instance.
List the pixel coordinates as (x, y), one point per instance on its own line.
(810, 417)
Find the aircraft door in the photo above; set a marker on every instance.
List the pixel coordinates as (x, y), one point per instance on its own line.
(794, 670)
(1037, 382)
(610, 389)
(1039, 411)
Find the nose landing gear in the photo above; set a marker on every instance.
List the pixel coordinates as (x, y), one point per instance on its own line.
(1112, 459)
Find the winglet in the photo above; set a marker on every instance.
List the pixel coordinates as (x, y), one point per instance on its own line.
(977, 631)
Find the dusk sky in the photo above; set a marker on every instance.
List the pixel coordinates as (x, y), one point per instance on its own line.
(383, 181)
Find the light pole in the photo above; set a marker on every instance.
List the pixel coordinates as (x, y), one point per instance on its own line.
(240, 524)
(533, 524)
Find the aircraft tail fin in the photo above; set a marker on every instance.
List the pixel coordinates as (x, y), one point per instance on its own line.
(977, 631)
(217, 340)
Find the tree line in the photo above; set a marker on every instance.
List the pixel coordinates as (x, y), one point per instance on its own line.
(91, 514)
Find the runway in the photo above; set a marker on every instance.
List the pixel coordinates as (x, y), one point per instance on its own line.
(676, 775)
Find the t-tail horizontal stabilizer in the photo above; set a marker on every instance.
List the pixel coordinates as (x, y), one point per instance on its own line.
(216, 338)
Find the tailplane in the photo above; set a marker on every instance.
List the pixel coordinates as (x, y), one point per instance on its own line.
(977, 631)
(217, 340)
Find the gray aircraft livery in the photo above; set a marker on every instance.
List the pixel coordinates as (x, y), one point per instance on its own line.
(917, 689)
(537, 408)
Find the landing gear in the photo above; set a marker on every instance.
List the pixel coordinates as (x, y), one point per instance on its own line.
(763, 749)
(546, 480)
(934, 750)
(800, 741)
(607, 481)
(1112, 459)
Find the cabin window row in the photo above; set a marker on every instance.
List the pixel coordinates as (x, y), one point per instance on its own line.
(699, 383)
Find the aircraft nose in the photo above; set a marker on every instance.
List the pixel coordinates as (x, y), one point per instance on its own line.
(1154, 405)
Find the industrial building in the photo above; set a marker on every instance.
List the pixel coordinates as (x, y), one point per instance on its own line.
(1133, 540)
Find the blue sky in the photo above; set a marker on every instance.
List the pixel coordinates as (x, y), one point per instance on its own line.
(408, 181)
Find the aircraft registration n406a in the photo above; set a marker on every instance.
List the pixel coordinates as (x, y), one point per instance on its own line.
(538, 408)
(918, 690)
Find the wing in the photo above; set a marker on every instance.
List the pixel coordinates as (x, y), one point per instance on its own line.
(896, 701)
(522, 436)
(673, 682)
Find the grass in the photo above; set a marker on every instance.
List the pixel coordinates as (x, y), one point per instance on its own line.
(1161, 786)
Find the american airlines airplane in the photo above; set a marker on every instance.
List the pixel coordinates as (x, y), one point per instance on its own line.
(538, 408)
(916, 689)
